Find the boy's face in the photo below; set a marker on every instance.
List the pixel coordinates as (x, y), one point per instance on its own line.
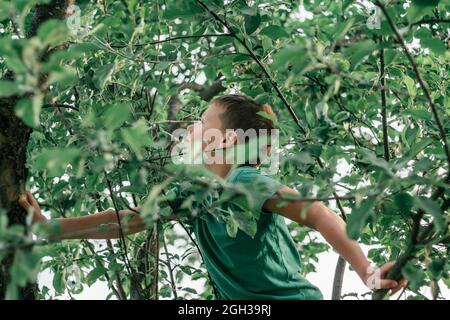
(209, 131)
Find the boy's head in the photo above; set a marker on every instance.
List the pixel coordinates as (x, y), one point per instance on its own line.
(230, 120)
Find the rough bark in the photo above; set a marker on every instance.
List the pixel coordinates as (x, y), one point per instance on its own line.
(338, 279)
(14, 136)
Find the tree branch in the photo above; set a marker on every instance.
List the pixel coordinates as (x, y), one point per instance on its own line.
(122, 237)
(430, 21)
(383, 105)
(169, 266)
(421, 82)
(66, 106)
(173, 39)
(338, 279)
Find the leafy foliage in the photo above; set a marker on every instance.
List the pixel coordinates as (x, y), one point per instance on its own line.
(101, 136)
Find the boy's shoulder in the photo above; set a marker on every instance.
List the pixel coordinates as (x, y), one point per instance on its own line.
(243, 174)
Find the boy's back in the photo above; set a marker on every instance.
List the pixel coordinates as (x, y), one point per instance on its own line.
(263, 267)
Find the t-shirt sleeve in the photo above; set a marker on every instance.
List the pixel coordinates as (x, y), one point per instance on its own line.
(260, 187)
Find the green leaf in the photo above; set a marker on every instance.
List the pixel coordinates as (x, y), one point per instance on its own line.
(8, 88)
(435, 45)
(347, 3)
(270, 117)
(29, 109)
(436, 268)
(5, 8)
(404, 202)
(137, 137)
(252, 23)
(232, 227)
(359, 216)
(287, 55)
(95, 274)
(53, 32)
(322, 110)
(342, 29)
(431, 206)
(18, 274)
(420, 8)
(358, 51)
(274, 32)
(116, 115)
(103, 74)
(190, 290)
(414, 275)
(419, 146)
(182, 9)
(59, 283)
(425, 3)
(223, 40)
(55, 160)
(410, 86)
(245, 221)
(422, 114)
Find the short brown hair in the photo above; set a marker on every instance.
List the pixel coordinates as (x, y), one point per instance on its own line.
(242, 112)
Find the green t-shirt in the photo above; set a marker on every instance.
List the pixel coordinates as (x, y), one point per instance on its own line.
(266, 266)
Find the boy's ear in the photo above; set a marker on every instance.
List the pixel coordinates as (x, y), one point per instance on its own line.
(230, 139)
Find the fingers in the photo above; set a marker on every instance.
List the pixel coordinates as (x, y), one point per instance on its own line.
(33, 202)
(29, 196)
(395, 290)
(388, 284)
(385, 268)
(24, 202)
(31, 199)
(402, 284)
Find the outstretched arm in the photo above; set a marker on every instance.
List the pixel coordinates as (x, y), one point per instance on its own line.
(333, 229)
(100, 225)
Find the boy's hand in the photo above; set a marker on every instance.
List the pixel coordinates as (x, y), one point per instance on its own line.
(27, 201)
(376, 279)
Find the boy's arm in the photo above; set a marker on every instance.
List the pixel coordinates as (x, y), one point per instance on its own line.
(333, 229)
(85, 227)
(100, 225)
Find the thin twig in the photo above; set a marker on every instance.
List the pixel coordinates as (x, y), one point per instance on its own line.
(66, 106)
(173, 39)
(122, 237)
(169, 266)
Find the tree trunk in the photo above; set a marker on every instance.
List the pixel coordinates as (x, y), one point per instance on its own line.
(338, 279)
(14, 136)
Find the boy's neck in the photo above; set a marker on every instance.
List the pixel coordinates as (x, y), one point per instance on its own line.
(221, 170)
